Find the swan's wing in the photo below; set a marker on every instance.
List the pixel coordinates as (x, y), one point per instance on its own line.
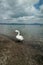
(20, 37)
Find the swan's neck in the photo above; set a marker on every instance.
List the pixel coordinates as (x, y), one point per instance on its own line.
(18, 33)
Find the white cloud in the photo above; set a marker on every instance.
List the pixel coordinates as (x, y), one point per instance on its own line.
(21, 11)
(41, 8)
(27, 1)
(40, 12)
(29, 19)
(16, 8)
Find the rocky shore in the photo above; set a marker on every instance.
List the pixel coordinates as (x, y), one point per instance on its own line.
(18, 53)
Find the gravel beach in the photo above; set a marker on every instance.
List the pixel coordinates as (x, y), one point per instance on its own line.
(18, 53)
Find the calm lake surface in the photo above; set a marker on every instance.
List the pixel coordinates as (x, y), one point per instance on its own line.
(30, 32)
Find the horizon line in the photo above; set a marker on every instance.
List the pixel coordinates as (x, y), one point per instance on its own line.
(21, 24)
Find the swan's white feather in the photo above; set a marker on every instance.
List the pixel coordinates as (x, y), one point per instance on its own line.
(18, 36)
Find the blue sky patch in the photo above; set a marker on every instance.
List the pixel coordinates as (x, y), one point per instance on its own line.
(38, 4)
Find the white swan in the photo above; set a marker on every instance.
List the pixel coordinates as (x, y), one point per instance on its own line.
(18, 36)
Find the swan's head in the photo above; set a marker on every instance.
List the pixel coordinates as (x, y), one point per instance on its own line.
(16, 30)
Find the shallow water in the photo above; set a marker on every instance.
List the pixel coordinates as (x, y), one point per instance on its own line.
(30, 32)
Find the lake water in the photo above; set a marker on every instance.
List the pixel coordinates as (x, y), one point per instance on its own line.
(30, 32)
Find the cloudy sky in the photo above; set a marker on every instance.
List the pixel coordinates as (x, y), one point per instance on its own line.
(22, 10)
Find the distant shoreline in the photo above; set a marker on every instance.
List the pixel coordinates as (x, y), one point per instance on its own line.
(20, 24)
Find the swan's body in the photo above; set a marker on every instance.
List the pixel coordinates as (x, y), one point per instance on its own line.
(18, 36)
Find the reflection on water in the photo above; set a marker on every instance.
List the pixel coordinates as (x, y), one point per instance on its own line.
(30, 32)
